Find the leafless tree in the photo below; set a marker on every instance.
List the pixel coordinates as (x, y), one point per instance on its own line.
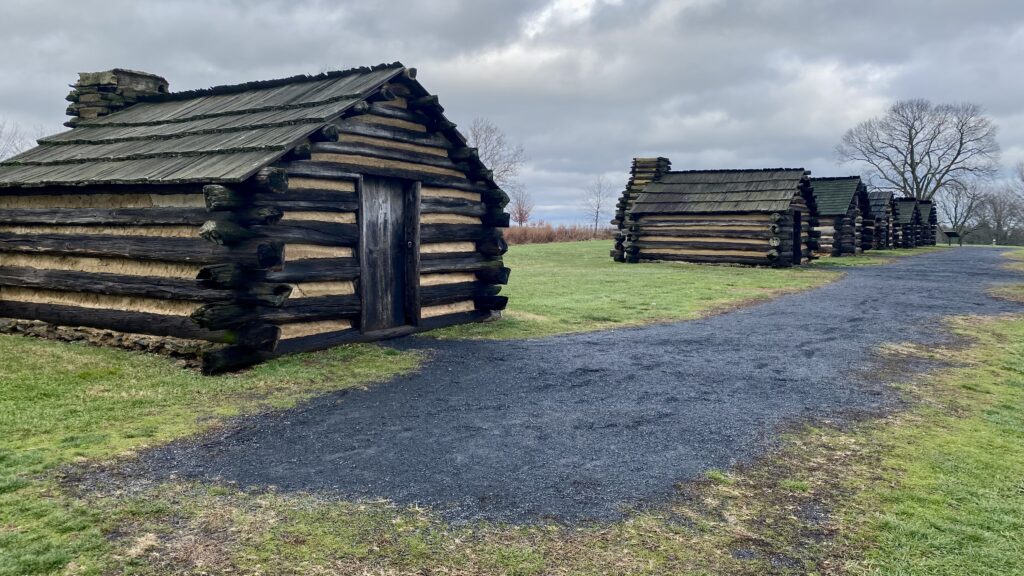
(963, 207)
(520, 205)
(596, 199)
(503, 157)
(1003, 214)
(1018, 183)
(917, 148)
(13, 139)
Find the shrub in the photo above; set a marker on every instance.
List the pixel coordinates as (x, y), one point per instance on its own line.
(544, 233)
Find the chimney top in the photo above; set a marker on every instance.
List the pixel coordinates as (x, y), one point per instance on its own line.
(98, 94)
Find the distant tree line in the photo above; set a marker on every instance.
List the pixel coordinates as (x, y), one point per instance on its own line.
(947, 153)
(13, 139)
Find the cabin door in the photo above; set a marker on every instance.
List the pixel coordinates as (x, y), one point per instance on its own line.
(389, 253)
(798, 233)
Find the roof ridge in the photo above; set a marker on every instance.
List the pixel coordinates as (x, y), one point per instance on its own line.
(835, 177)
(721, 170)
(263, 84)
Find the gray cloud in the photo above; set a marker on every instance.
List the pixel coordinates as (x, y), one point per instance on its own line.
(584, 84)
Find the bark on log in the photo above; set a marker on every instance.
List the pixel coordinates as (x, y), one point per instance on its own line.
(317, 270)
(273, 180)
(494, 275)
(225, 233)
(135, 322)
(103, 216)
(258, 253)
(112, 284)
(461, 206)
(223, 198)
(371, 151)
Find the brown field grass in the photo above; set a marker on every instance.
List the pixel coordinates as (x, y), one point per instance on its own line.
(544, 233)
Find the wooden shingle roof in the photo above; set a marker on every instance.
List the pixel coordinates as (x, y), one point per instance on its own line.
(721, 191)
(927, 209)
(834, 195)
(217, 135)
(907, 207)
(879, 200)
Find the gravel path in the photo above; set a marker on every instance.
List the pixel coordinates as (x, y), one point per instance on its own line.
(583, 426)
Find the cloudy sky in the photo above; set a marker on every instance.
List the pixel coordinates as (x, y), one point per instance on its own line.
(584, 85)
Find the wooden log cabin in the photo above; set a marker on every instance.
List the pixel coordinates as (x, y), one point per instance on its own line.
(908, 222)
(882, 211)
(845, 214)
(759, 217)
(237, 223)
(929, 222)
(643, 172)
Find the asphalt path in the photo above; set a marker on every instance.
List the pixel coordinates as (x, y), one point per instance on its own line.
(585, 427)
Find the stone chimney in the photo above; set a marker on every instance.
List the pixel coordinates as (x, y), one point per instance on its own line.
(100, 93)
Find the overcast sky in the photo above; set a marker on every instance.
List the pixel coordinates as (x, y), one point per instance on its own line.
(585, 85)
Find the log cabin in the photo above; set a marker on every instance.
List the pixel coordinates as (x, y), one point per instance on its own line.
(643, 172)
(758, 217)
(908, 221)
(929, 222)
(882, 211)
(845, 214)
(237, 223)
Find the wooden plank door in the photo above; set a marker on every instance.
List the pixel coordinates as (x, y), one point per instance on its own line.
(388, 253)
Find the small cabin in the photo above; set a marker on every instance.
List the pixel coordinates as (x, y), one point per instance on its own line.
(908, 221)
(929, 222)
(845, 213)
(882, 212)
(643, 172)
(237, 223)
(759, 217)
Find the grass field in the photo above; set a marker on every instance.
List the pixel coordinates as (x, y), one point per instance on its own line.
(576, 287)
(936, 489)
(875, 257)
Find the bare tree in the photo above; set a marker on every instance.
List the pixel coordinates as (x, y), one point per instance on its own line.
(596, 199)
(520, 205)
(963, 207)
(13, 139)
(917, 148)
(503, 157)
(1003, 214)
(1018, 183)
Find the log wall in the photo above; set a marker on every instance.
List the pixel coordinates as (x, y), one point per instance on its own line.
(110, 259)
(756, 238)
(643, 172)
(842, 235)
(270, 266)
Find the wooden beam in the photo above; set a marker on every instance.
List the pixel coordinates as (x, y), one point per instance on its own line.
(269, 179)
(397, 134)
(460, 206)
(412, 265)
(311, 232)
(317, 270)
(99, 216)
(257, 253)
(369, 150)
(135, 322)
(112, 284)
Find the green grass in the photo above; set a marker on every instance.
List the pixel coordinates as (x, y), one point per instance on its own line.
(576, 287)
(936, 489)
(875, 257)
(1016, 260)
(63, 403)
(933, 490)
(951, 499)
